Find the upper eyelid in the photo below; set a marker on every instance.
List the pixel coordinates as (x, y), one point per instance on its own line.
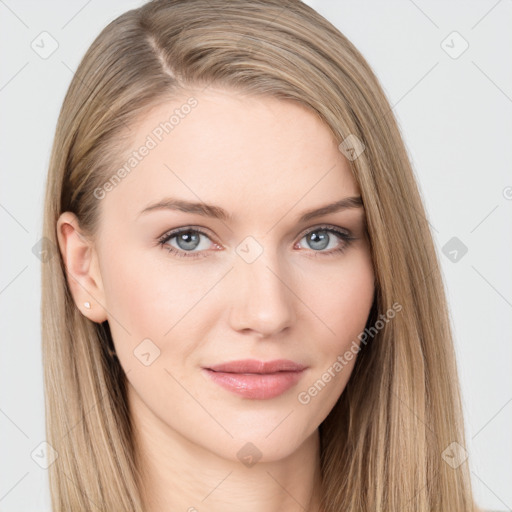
(175, 232)
(327, 227)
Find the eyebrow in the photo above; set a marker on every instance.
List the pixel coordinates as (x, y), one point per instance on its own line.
(209, 210)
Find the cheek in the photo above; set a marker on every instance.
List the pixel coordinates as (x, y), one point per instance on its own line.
(343, 302)
(343, 307)
(156, 299)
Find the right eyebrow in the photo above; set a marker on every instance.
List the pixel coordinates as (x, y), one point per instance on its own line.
(170, 203)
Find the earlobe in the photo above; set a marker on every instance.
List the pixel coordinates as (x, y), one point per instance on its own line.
(82, 269)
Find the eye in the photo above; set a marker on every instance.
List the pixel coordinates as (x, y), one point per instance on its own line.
(327, 237)
(187, 240)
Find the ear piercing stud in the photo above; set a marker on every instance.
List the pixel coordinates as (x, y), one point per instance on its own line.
(87, 305)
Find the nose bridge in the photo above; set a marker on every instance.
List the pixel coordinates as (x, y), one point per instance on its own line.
(263, 301)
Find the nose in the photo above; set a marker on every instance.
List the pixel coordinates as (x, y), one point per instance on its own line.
(262, 297)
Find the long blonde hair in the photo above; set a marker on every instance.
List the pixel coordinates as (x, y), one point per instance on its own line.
(382, 444)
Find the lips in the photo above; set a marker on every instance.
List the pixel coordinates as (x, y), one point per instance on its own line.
(261, 367)
(254, 379)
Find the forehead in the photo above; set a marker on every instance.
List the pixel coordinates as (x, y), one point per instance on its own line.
(222, 146)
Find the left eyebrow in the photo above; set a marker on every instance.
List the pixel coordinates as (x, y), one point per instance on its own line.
(343, 204)
(209, 210)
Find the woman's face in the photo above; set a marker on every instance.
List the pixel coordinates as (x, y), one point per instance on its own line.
(247, 279)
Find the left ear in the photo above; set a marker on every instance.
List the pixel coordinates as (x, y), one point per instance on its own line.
(82, 269)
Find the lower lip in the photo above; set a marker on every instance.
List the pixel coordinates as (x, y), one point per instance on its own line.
(256, 386)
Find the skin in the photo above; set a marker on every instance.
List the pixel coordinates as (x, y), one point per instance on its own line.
(265, 161)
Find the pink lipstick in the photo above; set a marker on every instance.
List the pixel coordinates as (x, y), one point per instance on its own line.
(254, 379)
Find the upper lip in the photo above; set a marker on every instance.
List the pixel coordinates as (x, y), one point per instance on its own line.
(254, 366)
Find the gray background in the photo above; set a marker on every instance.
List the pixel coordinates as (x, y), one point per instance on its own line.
(454, 110)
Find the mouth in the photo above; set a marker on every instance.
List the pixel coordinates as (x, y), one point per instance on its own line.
(257, 380)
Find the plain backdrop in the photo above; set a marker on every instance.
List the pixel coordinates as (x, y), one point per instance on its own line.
(446, 69)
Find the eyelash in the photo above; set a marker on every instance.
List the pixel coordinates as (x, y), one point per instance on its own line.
(162, 241)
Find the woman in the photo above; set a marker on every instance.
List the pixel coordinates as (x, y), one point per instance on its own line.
(247, 312)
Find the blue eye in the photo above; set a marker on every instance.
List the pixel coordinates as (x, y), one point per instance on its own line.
(187, 239)
(319, 238)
